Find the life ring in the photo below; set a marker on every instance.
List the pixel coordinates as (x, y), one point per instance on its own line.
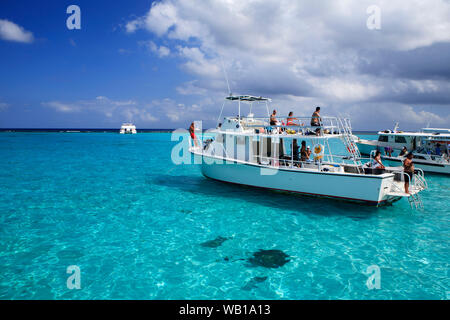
(318, 151)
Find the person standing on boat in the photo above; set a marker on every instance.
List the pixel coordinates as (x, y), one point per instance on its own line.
(408, 168)
(192, 132)
(295, 153)
(388, 151)
(315, 118)
(376, 163)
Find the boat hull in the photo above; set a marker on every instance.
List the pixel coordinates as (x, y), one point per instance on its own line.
(426, 167)
(370, 190)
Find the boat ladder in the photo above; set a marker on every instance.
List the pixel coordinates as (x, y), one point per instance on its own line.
(418, 185)
(415, 201)
(348, 141)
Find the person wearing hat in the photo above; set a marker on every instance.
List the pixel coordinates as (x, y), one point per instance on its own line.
(404, 152)
(308, 152)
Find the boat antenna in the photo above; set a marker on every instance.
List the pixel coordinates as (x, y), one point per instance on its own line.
(229, 90)
(225, 73)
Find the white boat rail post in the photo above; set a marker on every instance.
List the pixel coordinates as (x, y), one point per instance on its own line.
(220, 115)
(330, 156)
(239, 114)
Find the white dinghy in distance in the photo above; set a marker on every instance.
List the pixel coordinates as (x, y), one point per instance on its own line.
(128, 128)
(250, 151)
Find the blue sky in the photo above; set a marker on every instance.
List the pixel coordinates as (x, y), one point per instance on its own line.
(160, 65)
(65, 65)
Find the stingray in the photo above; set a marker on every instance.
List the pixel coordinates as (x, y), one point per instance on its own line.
(269, 258)
(217, 242)
(253, 283)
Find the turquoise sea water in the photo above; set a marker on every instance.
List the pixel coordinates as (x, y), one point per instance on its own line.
(117, 207)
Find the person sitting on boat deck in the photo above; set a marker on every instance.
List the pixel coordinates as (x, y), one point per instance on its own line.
(295, 153)
(290, 121)
(376, 163)
(308, 153)
(315, 118)
(303, 152)
(192, 132)
(273, 119)
(404, 152)
(408, 168)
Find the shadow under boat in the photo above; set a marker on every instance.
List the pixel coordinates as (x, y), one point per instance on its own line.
(310, 205)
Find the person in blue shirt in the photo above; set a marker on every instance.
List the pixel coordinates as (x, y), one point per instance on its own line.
(438, 149)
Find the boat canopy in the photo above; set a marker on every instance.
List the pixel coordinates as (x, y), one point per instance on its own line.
(247, 98)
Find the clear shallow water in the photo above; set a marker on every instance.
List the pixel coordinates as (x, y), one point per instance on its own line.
(134, 223)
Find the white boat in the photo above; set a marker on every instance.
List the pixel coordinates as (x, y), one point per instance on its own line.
(249, 151)
(430, 147)
(128, 128)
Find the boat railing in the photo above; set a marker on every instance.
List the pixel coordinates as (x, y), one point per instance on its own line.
(277, 162)
(325, 125)
(322, 165)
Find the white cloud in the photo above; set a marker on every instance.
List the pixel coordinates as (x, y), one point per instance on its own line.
(157, 113)
(12, 32)
(197, 63)
(307, 53)
(62, 107)
(161, 51)
(101, 104)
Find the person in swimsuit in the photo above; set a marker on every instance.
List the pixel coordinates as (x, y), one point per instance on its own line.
(291, 120)
(303, 152)
(315, 118)
(273, 119)
(408, 168)
(192, 132)
(376, 163)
